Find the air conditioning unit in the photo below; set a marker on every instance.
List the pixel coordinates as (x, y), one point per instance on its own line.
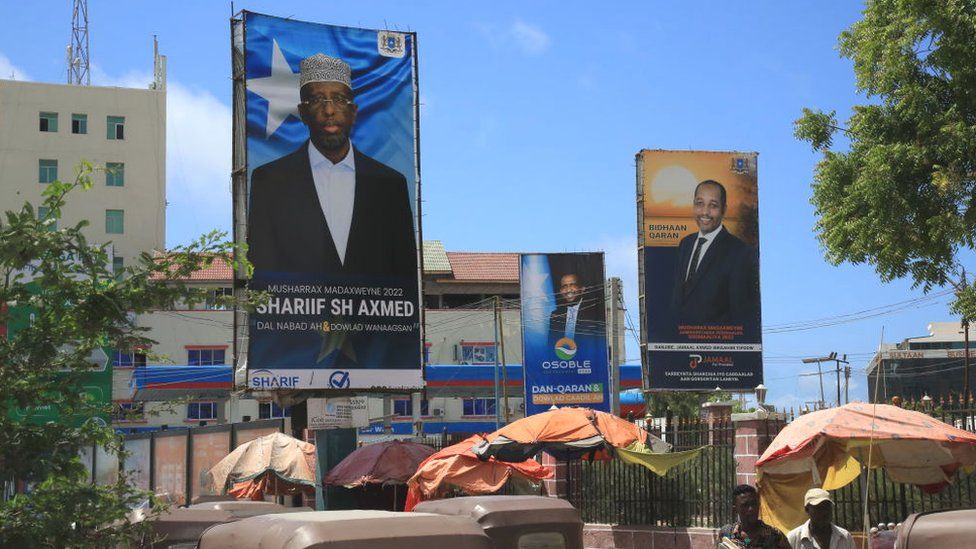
(438, 412)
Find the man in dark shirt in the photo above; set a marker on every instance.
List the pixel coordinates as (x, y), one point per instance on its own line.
(748, 530)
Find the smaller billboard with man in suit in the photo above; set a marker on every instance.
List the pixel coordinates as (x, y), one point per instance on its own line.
(564, 331)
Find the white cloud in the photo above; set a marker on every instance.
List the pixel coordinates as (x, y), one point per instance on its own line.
(524, 37)
(198, 163)
(131, 79)
(530, 38)
(9, 71)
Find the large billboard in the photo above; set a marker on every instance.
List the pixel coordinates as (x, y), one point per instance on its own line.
(332, 225)
(698, 216)
(564, 331)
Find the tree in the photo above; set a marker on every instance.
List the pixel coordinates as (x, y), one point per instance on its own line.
(78, 305)
(902, 197)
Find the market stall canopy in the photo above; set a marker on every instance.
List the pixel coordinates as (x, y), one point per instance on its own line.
(827, 449)
(565, 433)
(274, 464)
(457, 466)
(389, 462)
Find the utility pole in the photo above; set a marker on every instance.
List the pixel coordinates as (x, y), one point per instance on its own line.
(847, 380)
(497, 416)
(500, 321)
(965, 363)
(615, 346)
(832, 357)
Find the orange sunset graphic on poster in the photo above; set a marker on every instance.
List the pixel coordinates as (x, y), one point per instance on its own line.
(669, 179)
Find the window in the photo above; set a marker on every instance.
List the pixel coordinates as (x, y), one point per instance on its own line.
(49, 121)
(114, 174)
(201, 410)
(47, 170)
(128, 411)
(116, 128)
(477, 353)
(114, 221)
(479, 407)
(205, 357)
(404, 407)
(118, 264)
(216, 297)
(122, 359)
(79, 124)
(42, 213)
(270, 410)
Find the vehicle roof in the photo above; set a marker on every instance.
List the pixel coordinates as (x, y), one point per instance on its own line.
(359, 529)
(497, 511)
(952, 528)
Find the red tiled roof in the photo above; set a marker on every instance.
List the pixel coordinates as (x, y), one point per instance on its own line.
(218, 271)
(481, 266)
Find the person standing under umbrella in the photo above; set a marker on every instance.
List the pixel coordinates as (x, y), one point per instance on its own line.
(819, 532)
(748, 530)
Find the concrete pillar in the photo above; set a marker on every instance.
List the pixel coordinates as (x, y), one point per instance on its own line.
(753, 434)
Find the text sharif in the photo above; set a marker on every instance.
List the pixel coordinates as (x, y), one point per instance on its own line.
(336, 306)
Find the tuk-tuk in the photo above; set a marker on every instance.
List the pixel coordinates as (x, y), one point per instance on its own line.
(348, 530)
(243, 508)
(181, 527)
(524, 522)
(952, 528)
(178, 528)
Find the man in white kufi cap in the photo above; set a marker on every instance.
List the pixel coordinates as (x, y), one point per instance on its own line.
(327, 208)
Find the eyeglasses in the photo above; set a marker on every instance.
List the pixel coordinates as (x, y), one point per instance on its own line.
(319, 103)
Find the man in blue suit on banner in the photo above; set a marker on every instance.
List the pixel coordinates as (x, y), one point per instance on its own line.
(327, 208)
(715, 279)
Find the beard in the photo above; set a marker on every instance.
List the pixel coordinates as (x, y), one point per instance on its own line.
(332, 142)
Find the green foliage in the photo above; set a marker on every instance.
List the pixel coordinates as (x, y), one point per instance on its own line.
(902, 198)
(79, 305)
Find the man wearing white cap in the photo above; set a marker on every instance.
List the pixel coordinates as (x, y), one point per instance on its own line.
(819, 532)
(327, 207)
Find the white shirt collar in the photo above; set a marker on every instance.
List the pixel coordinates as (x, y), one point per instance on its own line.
(318, 160)
(835, 534)
(711, 236)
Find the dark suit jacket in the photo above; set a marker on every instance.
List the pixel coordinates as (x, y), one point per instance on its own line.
(724, 288)
(589, 321)
(287, 231)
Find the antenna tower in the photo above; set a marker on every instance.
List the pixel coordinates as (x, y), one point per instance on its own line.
(78, 49)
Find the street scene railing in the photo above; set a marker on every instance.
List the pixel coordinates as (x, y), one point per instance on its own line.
(696, 494)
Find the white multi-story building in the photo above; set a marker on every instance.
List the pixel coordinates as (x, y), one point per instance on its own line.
(47, 130)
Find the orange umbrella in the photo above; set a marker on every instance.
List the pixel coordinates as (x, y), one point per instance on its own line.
(827, 448)
(457, 466)
(388, 462)
(565, 433)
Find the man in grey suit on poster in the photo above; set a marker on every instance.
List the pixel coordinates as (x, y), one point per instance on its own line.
(715, 278)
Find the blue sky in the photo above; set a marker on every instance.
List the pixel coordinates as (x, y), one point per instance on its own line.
(531, 116)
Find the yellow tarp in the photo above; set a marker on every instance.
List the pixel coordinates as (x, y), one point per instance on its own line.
(638, 454)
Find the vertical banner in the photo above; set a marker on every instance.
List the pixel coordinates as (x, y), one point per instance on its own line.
(699, 239)
(564, 334)
(331, 142)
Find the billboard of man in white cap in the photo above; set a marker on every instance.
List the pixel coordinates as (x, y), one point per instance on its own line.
(327, 207)
(819, 532)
